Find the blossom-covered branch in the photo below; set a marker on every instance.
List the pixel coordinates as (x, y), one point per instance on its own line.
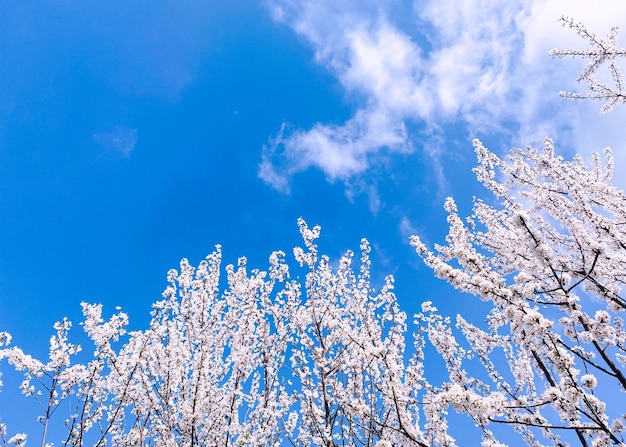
(602, 51)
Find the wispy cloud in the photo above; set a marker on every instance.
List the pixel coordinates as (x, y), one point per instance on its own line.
(374, 61)
(482, 63)
(119, 141)
(339, 151)
(406, 228)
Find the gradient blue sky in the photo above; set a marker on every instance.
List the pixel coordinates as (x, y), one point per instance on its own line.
(133, 134)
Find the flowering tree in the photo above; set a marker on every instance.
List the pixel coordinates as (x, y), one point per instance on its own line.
(313, 355)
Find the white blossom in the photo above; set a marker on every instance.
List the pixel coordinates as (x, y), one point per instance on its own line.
(18, 440)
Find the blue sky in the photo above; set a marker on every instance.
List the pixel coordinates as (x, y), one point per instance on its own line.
(133, 134)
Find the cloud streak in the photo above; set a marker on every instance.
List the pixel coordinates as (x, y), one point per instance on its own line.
(480, 63)
(119, 141)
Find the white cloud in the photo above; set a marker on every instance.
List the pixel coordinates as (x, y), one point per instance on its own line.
(406, 228)
(372, 60)
(386, 67)
(475, 45)
(341, 152)
(483, 63)
(120, 141)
